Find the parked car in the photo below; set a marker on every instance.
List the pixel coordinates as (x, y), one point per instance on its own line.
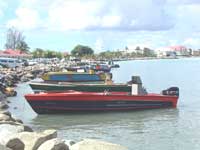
(10, 62)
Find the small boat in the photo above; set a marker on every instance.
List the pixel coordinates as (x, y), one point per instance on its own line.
(84, 87)
(112, 65)
(99, 67)
(73, 76)
(73, 101)
(108, 85)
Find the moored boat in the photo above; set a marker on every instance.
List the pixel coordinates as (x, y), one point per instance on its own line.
(73, 101)
(73, 76)
(108, 85)
(84, 87)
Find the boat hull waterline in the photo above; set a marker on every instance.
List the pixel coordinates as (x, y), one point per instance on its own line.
(87, 101)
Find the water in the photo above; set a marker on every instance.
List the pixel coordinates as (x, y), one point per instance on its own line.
(174, 129)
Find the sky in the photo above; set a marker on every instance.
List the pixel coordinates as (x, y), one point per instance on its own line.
(102, 24)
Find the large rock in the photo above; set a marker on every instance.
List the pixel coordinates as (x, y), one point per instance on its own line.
(3, 105)
(2, 147)
(33, 140)
(4, 117)
(27, 128)
(11, 128)
(5, 112)
(90, 144)
(2, 96)
(69, 143)
(19, 121)
(13, 143)
(54, 144)
(8, 129)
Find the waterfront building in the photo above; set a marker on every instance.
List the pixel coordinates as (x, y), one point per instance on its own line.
(10, 53)
(172, 51)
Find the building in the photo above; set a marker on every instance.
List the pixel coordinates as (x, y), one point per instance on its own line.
(196, 52)
(14, 54)
(180, 50)
(172, 51)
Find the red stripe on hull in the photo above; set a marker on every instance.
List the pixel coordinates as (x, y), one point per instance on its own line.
(89, 96)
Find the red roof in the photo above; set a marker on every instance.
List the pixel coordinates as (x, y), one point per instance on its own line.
(13, 53)
(178, 48)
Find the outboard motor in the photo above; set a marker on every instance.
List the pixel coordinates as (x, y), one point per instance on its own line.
(135, 80)
(172, 91)
(137, 88)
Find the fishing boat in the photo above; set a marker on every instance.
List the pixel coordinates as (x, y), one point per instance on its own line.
(74, 101)
(99, 67)
(111, 64)
(73, 76)
(108, 85)
(84, 87)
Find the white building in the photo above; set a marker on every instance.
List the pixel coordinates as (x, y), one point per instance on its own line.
(172, 51)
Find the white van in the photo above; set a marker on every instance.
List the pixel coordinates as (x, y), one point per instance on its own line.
(10, 62)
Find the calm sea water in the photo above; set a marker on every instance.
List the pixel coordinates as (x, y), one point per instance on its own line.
(174, 129)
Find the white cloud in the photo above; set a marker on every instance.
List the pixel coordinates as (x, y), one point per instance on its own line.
(26, 19)
(174, 18)
(100, 14)
(111, 21)
(66, 15)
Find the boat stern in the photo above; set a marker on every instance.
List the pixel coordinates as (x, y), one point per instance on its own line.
(173, 92)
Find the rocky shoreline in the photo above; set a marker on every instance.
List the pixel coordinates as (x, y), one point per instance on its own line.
(15, 135)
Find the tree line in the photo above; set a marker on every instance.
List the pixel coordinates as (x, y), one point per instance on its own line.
(16, 40)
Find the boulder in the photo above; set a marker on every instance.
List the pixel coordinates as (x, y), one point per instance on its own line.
(24, 79)
(69, 143)
(19, 121)
(2, 96)
(2, 147)
(9, 128)
(4, 117)
(27, 128)
(13, 143)
(5, 112)
(10, 123)
(54, 144)
(90, 144)
(3, 105)
(33, 140)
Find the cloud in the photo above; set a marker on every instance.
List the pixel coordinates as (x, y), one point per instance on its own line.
(25, 19)
(128, 15)
(101, 14)
(69, 15)
(172, 21)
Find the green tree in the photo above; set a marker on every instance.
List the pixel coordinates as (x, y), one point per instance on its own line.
(148, 52)
(23, 46)
(16, 40)
(81, 50)
(137, 48)
(38, 53)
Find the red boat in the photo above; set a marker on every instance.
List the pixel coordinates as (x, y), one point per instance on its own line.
(73, 101)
